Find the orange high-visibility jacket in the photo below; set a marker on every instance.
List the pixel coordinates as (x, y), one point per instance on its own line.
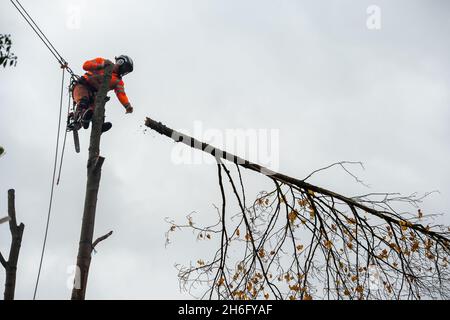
(94, 76)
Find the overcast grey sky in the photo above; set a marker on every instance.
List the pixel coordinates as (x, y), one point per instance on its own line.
(334, 89)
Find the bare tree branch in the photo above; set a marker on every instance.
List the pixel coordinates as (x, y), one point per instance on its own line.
(100, 239)
(342, 165)
(3, 261)
(301, 241)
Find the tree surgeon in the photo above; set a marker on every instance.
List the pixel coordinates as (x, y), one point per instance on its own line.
(85, 88)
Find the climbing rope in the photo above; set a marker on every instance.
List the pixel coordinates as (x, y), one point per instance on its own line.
(64, 65)
(23, 12)
(52, 188)
(64, 143)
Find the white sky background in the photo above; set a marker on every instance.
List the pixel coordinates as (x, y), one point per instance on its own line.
(335, 90)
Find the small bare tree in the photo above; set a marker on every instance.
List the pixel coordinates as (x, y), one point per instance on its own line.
(10, 265)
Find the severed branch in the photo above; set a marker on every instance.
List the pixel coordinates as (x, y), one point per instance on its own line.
(301, 241)
(299, 184)
(4, 220)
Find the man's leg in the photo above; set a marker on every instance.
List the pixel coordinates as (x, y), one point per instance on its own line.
(85, 107)
(106, 126)
(83, 110)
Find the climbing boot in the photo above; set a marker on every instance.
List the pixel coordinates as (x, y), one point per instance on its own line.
(87, 117)
(106, 126)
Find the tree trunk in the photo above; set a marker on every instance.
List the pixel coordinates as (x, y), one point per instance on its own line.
(94, 166)
(16, 242)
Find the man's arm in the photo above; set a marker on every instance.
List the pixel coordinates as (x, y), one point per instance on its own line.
(122, 96)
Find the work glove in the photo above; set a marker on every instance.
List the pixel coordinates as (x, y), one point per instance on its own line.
(129, 109)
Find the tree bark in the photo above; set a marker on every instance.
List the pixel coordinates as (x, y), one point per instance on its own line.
(16, 242)
(94, 166)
